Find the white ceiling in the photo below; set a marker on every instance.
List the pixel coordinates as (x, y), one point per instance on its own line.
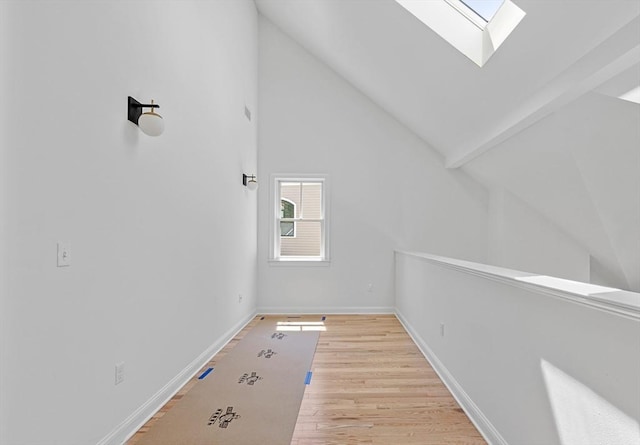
(560, 50)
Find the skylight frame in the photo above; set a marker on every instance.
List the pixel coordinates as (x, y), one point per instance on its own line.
(468, 13)
(463, 28)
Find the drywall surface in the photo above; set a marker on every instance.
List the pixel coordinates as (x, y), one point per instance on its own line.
(162, 233)
(535, 368)
(387, 187)
(3, 175)
(580, 169)
(521, 238)
(605, 150)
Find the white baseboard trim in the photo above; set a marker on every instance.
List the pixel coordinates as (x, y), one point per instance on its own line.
(283, 310)
(477, 417)
(131, 424)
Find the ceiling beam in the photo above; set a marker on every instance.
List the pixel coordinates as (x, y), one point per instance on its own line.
(615, 55)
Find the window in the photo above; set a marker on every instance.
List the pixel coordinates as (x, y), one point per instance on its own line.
(299, 218)
(287, 212)
(485, 9)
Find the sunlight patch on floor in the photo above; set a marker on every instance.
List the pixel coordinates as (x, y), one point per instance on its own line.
(301, 326)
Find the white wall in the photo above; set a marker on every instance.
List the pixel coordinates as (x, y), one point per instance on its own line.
(4, 333)
(604, 140)
(580, 169)
(162, 232)
(388, 188)
(530, 367)
(521, 238)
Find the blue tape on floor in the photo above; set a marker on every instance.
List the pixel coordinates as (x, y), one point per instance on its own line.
(307, 380)
(204, 374)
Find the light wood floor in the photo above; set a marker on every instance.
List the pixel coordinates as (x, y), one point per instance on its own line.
(370, 385)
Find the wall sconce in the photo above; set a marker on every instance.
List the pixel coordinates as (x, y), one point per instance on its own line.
(249, 181)
(150, 122)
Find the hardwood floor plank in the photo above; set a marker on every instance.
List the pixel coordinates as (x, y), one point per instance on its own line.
(372, 385)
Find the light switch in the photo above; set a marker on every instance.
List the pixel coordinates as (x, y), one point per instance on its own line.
(64, 254)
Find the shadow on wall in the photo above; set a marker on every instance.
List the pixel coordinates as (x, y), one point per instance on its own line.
(584, 417)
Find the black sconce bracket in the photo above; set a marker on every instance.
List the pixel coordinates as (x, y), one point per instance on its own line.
(246, 177)
(135, 109)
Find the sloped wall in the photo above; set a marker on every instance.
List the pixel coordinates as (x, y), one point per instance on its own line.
(162, 232)
(521, 238)
(580, 169)
(605, 136)
(388, 189)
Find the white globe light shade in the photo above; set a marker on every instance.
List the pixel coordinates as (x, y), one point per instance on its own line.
(151, 123)
(252, 184)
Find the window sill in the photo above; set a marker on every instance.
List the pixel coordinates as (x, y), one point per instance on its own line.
(296, 262)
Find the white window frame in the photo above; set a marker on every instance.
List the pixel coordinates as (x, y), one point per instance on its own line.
(274, 238)
(463, 28)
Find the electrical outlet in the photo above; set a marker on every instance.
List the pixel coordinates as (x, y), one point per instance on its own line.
(441, 329)
(64, 254)
(370, 287)
(119, 373)
(240, 298)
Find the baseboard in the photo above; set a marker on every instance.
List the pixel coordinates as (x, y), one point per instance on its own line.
(324, 310)
(477, 417)
(131, 424)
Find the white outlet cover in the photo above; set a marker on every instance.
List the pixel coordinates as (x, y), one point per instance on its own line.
(119, 373)
(64, 254)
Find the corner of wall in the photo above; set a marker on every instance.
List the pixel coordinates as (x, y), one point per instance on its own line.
(523, 239)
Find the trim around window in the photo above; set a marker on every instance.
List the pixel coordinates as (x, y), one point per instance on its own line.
(275, 238)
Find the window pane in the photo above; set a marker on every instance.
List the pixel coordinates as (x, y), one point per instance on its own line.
(306, 242)
(287, 209)
(311, 200)
(291, 191)
(287, 228)
(484, 8)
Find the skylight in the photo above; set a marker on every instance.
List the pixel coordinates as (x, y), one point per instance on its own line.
(486, 9)
(476, 28)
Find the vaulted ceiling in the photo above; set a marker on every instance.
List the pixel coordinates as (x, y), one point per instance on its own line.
(555, 53)
(495, 121)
